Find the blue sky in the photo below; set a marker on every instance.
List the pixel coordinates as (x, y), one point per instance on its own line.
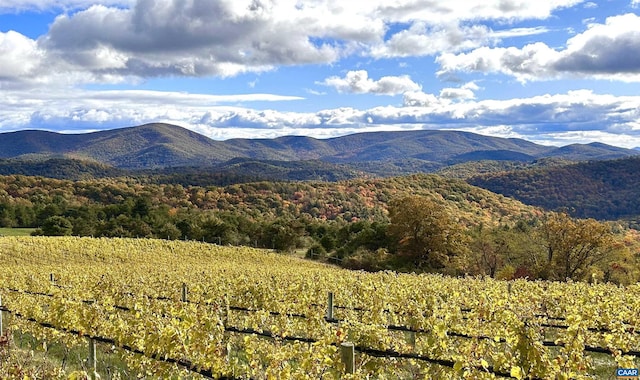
(554, 72)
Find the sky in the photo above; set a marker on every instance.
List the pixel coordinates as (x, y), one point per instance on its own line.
(554, 72)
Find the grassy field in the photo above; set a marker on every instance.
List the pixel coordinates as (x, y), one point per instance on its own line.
(16, 231)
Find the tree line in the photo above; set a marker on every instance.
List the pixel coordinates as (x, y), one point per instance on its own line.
(414, 223)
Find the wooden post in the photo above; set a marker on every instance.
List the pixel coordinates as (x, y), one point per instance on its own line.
(52, 278)
(93, 366)
(347, 354)
(412, 339)
(1, 317)
(227, 310)
(184, 292)
(330, 307)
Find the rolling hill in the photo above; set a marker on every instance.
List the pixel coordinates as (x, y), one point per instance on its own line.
(146, 146)
(596, 189)
(377, 153)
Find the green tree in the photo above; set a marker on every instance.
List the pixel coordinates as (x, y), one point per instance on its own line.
(168, 230)
(490, 247)
(427, 233)
(57, 226)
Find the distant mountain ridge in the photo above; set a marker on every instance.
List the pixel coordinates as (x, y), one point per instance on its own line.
(157, 146)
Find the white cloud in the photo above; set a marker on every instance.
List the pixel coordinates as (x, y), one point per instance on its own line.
(112, 41)
(19, 56)
(467, 91)
(12, 6)
(518, 32)
(456, 93)
(606, 51)
(314, 92)
(529, 63)
(425, 39)
(454, 10)
(181, 98)
(197, 38)
(420, 99)
(358, 82)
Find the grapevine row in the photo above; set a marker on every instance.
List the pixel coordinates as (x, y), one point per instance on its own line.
(277, 290)
(402, 328)
(266, 334)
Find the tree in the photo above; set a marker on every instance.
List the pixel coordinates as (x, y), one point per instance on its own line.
(573, 245)
(283, 234)
(141, 207)
(489, 248)
(426, 232)
(57, 226)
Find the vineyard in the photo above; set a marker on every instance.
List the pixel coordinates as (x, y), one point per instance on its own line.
(175, 309)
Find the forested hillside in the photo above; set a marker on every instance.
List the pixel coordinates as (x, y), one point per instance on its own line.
(237, 170)
(412, 223)
(606, 190)
(29, 200)
(60, 168)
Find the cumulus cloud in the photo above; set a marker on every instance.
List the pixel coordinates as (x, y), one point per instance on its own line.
(605, 51)
(421, 38)
(609, 48)
(419, 99)
(358, 82)
(444, 99)
(116, 40)
(467, 91)
(19, 56)
(173, 37)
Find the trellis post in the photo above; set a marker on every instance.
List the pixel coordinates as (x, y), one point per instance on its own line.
(184, 292)
(412, 339)
(330, 307)
(93, 366)
(347, 354)
(1, 316)
(227, 310)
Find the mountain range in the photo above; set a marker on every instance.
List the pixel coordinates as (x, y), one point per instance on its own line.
(161, 146)
(587, 180)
